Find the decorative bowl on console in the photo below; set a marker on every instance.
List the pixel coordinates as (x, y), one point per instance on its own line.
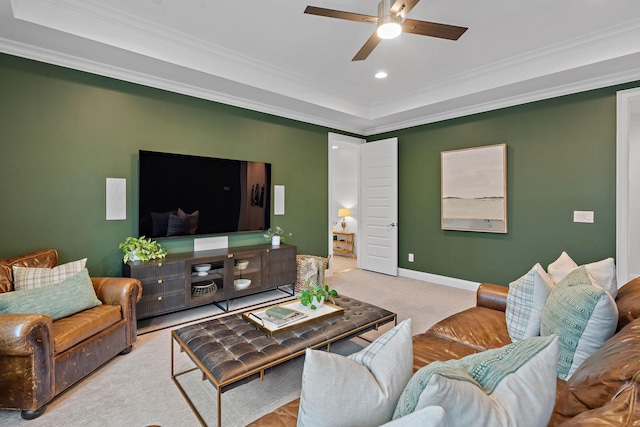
(241, 284)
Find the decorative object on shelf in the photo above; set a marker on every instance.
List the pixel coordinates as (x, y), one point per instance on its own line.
(314, 296)
(202, 269)
(206, 289)
(276, 235)
(141, 249)
(242, 264)
(344, 213)
(241, 284)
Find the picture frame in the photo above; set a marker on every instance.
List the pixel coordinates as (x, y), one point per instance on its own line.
(474, 189)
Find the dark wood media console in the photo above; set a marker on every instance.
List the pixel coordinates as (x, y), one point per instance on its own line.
(174, 284)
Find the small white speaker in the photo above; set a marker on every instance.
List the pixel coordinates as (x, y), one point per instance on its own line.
(116, 199)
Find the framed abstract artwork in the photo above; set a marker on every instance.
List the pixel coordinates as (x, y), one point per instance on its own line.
(474, 189)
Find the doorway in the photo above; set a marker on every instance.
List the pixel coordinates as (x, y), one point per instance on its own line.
(344, 167)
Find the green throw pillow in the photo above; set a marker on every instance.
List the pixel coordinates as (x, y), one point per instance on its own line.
(583, 317)
(63, 299)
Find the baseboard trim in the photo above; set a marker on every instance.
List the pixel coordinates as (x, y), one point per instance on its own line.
(439, 280)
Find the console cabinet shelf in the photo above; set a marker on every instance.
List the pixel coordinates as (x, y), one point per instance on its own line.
(174, 283)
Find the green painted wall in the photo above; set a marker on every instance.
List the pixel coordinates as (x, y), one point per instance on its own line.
(63, 132)
(561, 158)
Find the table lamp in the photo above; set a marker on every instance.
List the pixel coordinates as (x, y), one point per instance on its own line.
(344, 213)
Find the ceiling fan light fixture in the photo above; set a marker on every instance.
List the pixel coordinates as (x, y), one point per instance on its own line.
(389, 26)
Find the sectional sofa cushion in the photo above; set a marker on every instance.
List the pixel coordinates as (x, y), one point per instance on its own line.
(31, 278)
(63, 299)
(507, 386)
(582, 315)
(361, 389)
(525, 302)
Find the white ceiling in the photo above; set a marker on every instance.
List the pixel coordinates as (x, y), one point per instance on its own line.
(267, 55)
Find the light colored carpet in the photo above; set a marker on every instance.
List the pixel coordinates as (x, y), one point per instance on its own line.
(137, 389)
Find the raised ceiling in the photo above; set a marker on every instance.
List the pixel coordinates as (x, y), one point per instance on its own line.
(267, 55)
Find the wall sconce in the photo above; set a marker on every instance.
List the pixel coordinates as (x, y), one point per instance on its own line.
(344, 213)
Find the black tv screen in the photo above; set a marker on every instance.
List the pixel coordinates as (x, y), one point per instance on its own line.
(182, 195)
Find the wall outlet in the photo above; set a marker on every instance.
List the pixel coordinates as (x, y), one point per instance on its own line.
(583, 216)
(410, 257)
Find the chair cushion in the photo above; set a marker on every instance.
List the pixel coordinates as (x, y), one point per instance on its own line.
(74, 329)
(68, 297)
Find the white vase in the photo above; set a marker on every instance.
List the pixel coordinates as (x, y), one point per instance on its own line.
(275, 240)
(134, 256)
(318, 304)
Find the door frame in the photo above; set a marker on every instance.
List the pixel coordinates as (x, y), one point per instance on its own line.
(334, 138)
(628, 104)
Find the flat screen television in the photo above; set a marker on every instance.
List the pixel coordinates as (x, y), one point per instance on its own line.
(182, 195)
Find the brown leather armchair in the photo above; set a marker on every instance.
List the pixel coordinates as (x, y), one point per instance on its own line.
(40, 358)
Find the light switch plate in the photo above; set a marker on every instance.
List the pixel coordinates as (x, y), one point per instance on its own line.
(583, 216)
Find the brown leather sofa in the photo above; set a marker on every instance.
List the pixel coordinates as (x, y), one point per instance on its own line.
(40, 358)
(604, 391)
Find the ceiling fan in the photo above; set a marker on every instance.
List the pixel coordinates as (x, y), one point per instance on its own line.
(391, 21)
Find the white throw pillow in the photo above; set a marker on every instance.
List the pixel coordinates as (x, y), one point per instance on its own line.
(431, 416)
(582, 315)
(32, 278)
(510, 386)
(603, 273)
(361, 389)
(525, 302)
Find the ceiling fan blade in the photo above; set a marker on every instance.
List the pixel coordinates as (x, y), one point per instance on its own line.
(330, 13)
(433, 29)
(368, 47)
(403, 7)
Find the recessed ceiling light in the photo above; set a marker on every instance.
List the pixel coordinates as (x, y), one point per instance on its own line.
(381, 75)
(335, 147)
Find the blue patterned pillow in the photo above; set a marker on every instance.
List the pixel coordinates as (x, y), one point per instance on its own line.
(525, 301)
(583, 317)
(63, 299)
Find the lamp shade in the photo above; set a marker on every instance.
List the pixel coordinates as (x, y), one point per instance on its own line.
(344, 212)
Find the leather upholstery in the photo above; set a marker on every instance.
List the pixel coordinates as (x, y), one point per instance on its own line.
(230, 346)
(604, 391)
(40, 358)
(46, 258)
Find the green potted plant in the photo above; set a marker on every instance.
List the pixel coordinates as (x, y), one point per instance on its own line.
(314, 296)
(141, 249)
(277, 235)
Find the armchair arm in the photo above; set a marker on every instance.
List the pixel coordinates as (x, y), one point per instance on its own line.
(26, 351)
(122, 291)
(492, 296)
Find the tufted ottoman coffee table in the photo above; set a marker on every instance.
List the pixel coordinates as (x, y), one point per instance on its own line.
(230, 349)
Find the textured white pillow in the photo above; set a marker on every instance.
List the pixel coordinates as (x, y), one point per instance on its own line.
(32, 278)
(510, 386)
(525, 302)
(431, 416)
(359, 390)
(602, 273)
(582, 315)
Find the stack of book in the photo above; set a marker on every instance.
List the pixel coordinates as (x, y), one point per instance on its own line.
(278, 316)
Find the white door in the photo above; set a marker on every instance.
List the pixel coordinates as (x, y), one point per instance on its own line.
(379, 207)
